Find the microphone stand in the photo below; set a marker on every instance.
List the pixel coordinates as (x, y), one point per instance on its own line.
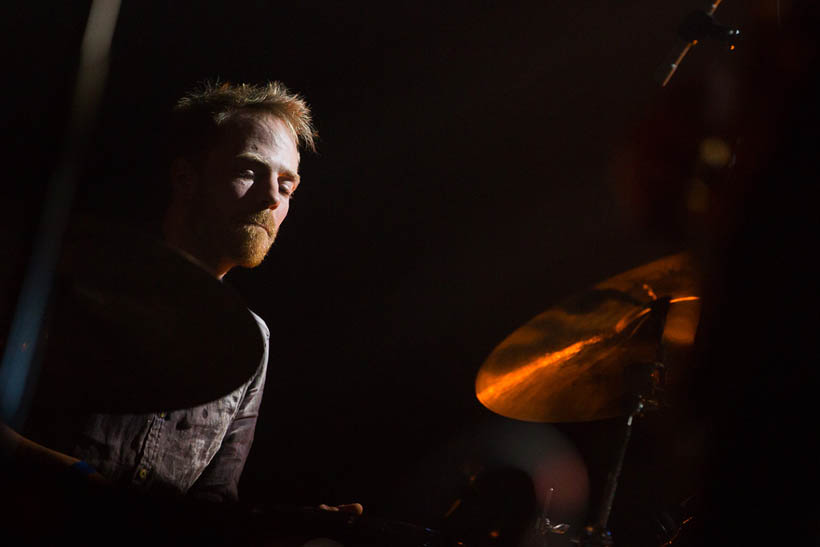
(697, 26)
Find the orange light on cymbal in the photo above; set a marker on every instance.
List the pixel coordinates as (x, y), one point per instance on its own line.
(570, 363)
(505, 382)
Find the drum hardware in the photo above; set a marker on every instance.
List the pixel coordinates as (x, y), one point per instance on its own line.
(544, 525)
(131, 318)
(585, 358)
(596, 355)
(673, 520)
(496, 508)
(598, 533)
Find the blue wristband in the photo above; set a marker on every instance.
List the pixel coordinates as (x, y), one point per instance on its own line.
(83, 468)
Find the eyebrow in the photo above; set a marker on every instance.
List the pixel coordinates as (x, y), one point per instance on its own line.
(260, 160)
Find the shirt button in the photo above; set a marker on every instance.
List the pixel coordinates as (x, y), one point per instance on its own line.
(143, 473)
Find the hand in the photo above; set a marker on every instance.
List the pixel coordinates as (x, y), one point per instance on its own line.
(37, 458)
(352, 508)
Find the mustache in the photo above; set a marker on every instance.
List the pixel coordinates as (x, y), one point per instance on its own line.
(263, 218)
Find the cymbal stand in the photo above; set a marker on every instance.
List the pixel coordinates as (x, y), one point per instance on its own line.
(544, 525)
(597, 534)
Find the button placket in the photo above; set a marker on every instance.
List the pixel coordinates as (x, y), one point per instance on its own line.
(147, 462)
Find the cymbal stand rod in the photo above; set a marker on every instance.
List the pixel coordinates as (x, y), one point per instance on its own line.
(598, 534)
(643, 397)
(614, 474)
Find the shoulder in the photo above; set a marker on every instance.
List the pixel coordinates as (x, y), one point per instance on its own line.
(262, 325)
(258, 378)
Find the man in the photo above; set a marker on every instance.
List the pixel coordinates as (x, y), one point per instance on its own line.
(233, 167)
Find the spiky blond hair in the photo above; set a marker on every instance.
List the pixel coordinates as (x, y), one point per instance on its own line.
(198, 115)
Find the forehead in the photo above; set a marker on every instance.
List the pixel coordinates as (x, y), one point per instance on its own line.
(258, 132)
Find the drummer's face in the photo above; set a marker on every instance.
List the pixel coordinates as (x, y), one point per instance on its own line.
(245, 184)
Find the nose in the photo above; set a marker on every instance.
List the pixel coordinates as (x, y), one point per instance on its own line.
(274, 201)
(272, 196)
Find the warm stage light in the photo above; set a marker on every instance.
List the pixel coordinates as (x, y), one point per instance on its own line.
(697, 200)
(714, 152)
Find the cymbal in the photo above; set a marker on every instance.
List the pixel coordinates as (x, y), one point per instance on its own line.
(570, 363)
(136, 327)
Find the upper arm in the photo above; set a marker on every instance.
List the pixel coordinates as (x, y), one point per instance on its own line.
(220, 479)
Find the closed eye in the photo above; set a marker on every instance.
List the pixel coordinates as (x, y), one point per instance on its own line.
(287, 189)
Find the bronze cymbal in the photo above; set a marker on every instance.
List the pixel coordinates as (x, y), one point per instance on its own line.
(570, 363)
(135, 327)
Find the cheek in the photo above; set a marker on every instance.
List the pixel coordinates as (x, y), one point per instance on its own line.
(220, 201)
(237, 189)
(281, 212)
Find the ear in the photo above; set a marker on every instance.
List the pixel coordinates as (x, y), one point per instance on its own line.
(183, 177)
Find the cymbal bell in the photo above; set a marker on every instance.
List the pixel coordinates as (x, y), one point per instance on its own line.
(572, 362)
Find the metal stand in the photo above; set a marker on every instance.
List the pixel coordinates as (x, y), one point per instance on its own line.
(648, 379)
(544, 525)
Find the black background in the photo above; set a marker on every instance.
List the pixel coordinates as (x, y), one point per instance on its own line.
(462, 185)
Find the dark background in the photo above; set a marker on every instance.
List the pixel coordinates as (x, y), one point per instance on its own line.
(462, 185)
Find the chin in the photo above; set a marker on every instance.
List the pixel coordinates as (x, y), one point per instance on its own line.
(251, 250)
(253, 257)
(251, 262)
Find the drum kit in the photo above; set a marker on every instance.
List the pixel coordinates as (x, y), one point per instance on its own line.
(600, 354)
(121, 297)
